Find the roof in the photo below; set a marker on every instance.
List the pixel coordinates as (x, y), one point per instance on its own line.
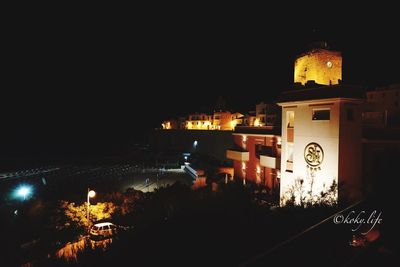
(322, 92)
(103, 224)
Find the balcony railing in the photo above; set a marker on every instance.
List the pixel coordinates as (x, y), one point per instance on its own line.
(237, 155)
(270, 162)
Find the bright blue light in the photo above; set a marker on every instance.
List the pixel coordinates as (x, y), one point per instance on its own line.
(24, 191)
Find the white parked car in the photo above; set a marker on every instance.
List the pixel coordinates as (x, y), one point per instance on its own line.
(103, 230)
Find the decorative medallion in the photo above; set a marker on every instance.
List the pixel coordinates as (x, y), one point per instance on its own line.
(313, 154)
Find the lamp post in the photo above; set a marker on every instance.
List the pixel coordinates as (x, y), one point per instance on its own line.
(90, 194)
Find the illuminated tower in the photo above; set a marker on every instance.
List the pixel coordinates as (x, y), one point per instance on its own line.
(319, 64)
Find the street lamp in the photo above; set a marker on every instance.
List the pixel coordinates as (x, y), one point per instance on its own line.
(90, 194)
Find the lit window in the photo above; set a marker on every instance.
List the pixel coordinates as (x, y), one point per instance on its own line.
(321, 115)
(290, 119)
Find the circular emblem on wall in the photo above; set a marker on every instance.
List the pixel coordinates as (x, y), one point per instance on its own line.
(313, 154)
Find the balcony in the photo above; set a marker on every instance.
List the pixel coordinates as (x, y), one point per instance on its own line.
(270, 162)
(237, 155)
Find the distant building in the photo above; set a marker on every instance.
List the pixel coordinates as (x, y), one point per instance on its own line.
(200, 121)
(383, 107)
(267, 114)
(219, 120)
(170, 124)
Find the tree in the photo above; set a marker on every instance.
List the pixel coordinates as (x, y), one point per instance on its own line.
(76, 214)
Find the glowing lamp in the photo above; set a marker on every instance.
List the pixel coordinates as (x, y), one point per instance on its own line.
(24, 191)
(91, 194)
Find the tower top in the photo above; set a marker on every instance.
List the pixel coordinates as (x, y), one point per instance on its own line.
(319, 64)
(318, 45)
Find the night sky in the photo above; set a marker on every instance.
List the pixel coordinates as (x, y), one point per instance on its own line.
(97, 84)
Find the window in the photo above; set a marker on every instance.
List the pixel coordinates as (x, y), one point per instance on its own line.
(350, 115)
(290, 119)
(289, 156)
(321, 115)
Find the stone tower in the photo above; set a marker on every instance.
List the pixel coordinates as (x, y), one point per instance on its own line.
(318, 64)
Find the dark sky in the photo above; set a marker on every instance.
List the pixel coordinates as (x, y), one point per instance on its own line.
(76, 84)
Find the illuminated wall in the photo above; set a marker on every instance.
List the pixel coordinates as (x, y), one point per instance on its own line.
(321, 65)
(223, 121)
(252, 169)
(199, 125)
(199, 122)
(326, 151)
(168, 125)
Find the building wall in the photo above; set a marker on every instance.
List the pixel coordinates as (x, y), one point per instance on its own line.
(321, 65)
(261, 114)
(324, 133)
(171, 124)
(340, 141)
(252, 170)
(383, 107)
(200, 121)
(385, 98)
(380, 165)
(350, 151)
(223, 121)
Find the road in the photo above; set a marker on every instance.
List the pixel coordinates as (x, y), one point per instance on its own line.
(61, 180)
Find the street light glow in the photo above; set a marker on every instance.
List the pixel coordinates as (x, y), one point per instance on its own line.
(91, 194)
(23, 191)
